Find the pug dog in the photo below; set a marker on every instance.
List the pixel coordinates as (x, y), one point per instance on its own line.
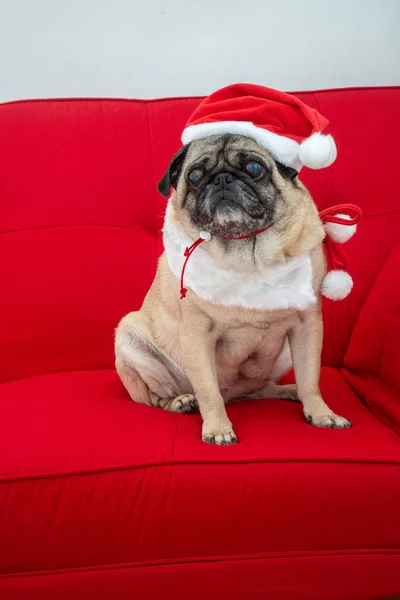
(253, 303)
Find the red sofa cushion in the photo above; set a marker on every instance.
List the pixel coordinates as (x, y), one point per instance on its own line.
(89, 478)
(78, 225)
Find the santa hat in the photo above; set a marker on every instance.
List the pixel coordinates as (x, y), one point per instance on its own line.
(340, 224)
(289, 129)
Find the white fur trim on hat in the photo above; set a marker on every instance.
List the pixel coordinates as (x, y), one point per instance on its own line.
(340, 233)
(336, 285)
(318, 151)
(283, 149)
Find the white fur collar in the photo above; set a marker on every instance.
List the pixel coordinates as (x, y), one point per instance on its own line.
(288, 285)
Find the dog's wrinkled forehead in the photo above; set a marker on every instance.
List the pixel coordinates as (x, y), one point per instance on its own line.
(228, 150)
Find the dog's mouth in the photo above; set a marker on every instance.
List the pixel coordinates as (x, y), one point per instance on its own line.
(230, 208)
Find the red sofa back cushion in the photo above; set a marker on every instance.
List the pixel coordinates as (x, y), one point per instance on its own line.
(80, 216)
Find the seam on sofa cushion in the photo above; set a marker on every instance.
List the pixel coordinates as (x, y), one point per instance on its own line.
(44, 373)
(205, 559)
(70, 225)
(152, 169)
(182, 462)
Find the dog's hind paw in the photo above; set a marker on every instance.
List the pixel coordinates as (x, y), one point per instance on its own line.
(186, 403)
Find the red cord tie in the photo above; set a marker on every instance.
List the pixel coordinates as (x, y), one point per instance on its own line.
(187, 254)
(330, 215)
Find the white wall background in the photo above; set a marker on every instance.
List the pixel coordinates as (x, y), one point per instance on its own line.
(151, 48)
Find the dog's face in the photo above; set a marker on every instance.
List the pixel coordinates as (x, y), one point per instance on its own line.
(227, 184)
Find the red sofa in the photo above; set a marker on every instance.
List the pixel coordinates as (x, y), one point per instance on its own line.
(103, 498)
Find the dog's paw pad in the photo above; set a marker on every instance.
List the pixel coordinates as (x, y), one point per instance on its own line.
(186, 403)
(329, 420)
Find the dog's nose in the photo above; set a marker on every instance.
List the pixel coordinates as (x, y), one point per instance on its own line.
(222, 180)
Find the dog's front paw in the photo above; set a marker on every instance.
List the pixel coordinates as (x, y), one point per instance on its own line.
(327, 419)
(221, 436)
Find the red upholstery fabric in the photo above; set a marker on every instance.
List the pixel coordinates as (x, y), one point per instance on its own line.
(103, 498)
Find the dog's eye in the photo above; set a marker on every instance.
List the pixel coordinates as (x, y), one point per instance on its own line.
(194, 177)
(254, 169)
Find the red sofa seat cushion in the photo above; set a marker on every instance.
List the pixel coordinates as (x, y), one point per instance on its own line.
(88, 478)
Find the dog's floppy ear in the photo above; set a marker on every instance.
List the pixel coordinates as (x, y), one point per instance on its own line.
(171, 175)
(286, 172)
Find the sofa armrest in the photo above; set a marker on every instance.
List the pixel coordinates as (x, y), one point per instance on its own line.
(372, 361)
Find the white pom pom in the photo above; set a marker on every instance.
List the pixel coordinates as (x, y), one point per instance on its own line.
(340, 233)
(336, 285)
(318, 151)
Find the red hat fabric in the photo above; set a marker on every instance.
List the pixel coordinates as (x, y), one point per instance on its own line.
(289, 129)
